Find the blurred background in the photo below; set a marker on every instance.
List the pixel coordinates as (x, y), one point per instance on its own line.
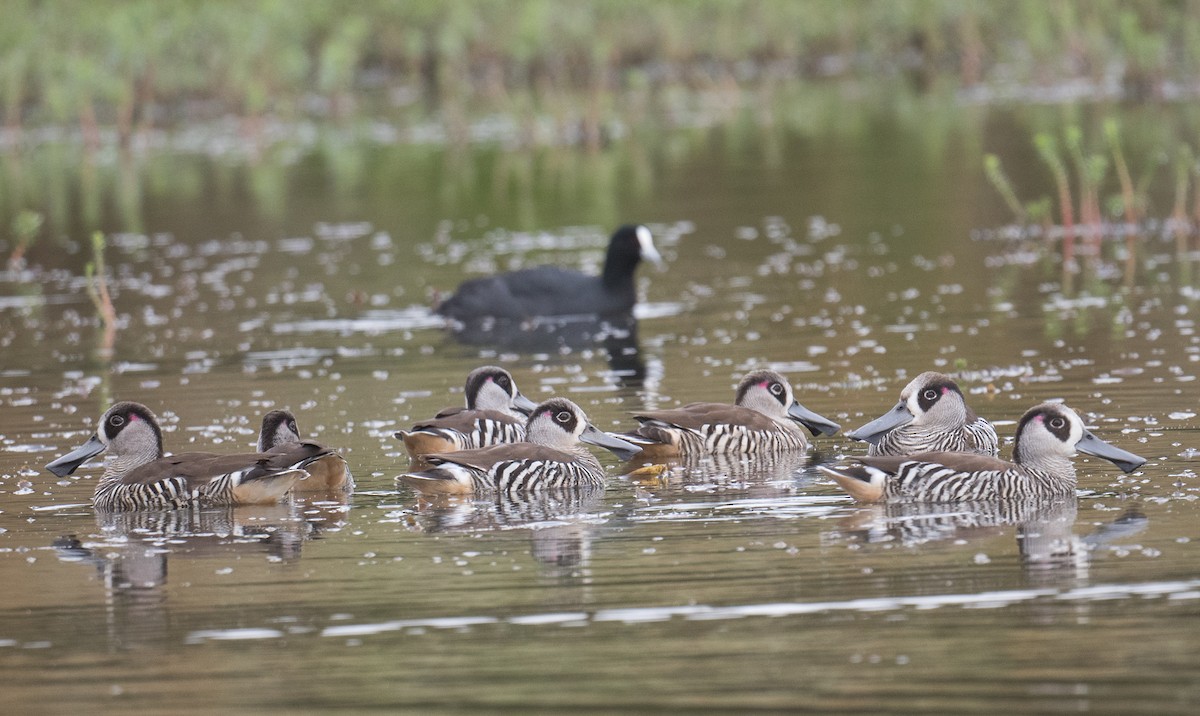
(220, 208)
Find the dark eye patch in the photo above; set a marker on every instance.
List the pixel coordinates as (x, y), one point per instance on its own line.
(1058, 426)
(933, 392)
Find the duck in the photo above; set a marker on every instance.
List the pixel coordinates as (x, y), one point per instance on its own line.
(551, 458)
(1047, 437)
(280, 435)
(495, 413)
(765, 418)
(140, 476)
(932, 416)
(555, 291)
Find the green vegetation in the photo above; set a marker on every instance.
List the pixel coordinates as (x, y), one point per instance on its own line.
(135, 63)
(97, 288)
(25, 227)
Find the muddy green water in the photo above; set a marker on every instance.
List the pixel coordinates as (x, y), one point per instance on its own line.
(843, 252)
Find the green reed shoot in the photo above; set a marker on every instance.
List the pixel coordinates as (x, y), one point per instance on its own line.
(25, 227)
(1047, 149)
(1112, 132)
(999, 180)
(97, 284)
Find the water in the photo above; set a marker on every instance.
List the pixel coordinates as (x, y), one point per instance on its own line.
(840, 253)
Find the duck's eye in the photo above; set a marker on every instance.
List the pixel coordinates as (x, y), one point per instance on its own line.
(563, 417)
(930, 394)
(293, 428)
(776, 389)
(116, 421)
(1057, 423)
(503, 382)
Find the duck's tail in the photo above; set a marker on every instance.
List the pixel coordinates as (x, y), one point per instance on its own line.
(262, 487)
(862, 482)
(656, 442)
(427, 441)
(445, 479)
(328, 473)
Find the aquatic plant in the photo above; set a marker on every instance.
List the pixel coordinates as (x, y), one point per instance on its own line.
(995, 174)
(1129, 197)
(1185, 166)
(1047, 149)
(97, 288)
(25, 227)
(1090, 170)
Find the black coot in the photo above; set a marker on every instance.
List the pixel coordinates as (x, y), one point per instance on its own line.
(554, 291)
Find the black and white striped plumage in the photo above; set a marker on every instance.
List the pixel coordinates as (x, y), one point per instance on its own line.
(932, 416)
(552, 458)
(139, 476)
(280, 434)
(1047, 437)
(764, 419)
(495, 414)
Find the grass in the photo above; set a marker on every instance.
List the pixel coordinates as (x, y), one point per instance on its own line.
(138, 63)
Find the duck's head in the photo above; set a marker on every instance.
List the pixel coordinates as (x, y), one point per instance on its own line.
(126, 428)
(929, 400)
(561, 424)
(770, 393)
(1052, 430)
(492, 388)
(278, 428)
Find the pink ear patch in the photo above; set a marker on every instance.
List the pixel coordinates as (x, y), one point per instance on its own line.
(945, 390)
(133, 417)
(1039, 418)
(764, 383)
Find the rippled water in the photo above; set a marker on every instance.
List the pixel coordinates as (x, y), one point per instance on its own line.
(849, 263)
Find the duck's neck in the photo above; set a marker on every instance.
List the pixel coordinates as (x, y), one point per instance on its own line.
(1057, 465)
(120, 465)
(584, 455)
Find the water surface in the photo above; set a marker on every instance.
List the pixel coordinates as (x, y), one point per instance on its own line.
(849, 255)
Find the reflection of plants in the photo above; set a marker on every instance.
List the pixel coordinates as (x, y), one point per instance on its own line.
(97, 288)
(25, 227)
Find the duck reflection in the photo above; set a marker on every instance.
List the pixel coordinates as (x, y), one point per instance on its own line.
(1047, 544)
(763, 475)
(131, 551)
(561, 524)
(617, 335)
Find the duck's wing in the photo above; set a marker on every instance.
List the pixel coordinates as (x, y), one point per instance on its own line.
(199, 468)
(447, 412)
(326, 468)
(463, 420)
(484, 459)
(297, 454)
(697, 415)
(958, 461)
